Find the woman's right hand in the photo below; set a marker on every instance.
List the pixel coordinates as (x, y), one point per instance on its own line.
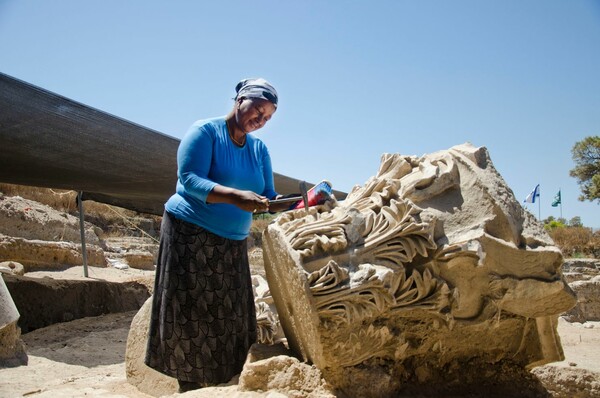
(252, 202)
(245, 200)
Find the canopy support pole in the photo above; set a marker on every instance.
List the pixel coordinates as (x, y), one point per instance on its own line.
(82, 231)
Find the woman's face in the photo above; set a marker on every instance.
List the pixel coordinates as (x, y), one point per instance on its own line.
(253, 113)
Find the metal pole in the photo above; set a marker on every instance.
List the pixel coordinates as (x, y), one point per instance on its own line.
(560, 191)
(82, 231)
(540, 204)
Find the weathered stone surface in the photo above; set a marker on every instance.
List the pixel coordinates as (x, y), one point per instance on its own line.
(273, 368)
(578, 269)
(32, 220)
(12, 350)
(140, 260)
(8, 310)
(39, 255)
(588, 301)
(569, 383)
(430, 264)
(136, 252)
(46, 301)
(12, 267)
(146, 379)
(11, 346)
(267, 322)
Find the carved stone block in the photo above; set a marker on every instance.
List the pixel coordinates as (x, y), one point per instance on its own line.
(430, 263)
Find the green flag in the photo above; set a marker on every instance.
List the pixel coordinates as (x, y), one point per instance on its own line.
(556, 200)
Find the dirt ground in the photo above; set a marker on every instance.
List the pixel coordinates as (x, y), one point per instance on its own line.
(85, 357)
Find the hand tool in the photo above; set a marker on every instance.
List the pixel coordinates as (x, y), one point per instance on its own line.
(312, 197)
(292, 199)
(304, 192)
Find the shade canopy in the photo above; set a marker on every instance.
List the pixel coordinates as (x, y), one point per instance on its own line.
(47, 140)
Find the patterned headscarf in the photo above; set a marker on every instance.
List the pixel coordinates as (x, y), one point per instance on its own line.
(256, 88)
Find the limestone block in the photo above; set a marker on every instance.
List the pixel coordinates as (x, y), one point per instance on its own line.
(140, 260)
(11, 346)
(577, 269)
(8, 310)
(146, 379)
(431, 262)
(588, 301)
(12, 267)
(563, 382)
(32, 220)
(12, 349)
(273, 368)
(39, 255)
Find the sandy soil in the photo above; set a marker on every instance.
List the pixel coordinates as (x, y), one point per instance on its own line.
(86, 357)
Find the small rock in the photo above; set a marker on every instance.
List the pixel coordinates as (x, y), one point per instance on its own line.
(588, 325)
(572, 364)
(12, 267)
(117, 264)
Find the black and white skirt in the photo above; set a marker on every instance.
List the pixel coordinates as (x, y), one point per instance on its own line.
(203, 320)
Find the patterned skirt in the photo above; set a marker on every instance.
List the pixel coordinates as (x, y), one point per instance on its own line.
(203, 320)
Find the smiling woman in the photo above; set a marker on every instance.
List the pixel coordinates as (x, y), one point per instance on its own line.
(203, 320)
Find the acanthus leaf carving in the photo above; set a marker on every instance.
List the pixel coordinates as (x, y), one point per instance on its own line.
(365, 343)
(394, 236)
(372, 290)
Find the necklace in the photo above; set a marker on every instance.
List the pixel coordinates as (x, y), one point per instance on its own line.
(230, 130)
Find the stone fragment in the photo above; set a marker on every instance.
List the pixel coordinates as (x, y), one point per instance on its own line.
(31, 220)
(146, 379)
(12, 267)
(432, 262)
(269, 329)
(568, 382)
(588, 301)
(12, 350)
(577, 269)
(271, 368)
(42, 255)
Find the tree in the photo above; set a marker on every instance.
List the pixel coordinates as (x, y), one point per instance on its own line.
(552, 225)
(575, 222)
(586, 155)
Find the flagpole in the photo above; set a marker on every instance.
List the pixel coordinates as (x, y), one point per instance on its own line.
(540, 204)
(559, 190)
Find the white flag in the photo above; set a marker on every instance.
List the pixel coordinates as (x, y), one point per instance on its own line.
(534, 194)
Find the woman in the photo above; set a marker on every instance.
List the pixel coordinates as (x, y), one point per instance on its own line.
(203, 320)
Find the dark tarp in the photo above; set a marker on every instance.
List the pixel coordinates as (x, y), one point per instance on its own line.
(47, 140)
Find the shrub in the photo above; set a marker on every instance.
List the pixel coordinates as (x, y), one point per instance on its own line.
(259, 224)
(576, 241)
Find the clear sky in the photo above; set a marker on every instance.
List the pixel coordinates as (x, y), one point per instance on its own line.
(355, 78)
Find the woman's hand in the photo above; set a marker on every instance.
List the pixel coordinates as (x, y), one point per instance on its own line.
(252, 202)
(278, 207)
(245, 200)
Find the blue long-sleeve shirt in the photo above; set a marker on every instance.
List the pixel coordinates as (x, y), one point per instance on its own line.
(207, 157)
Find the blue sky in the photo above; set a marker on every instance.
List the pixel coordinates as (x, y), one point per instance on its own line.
(356, 78)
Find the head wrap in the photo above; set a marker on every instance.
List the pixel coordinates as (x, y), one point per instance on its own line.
(256, 88)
